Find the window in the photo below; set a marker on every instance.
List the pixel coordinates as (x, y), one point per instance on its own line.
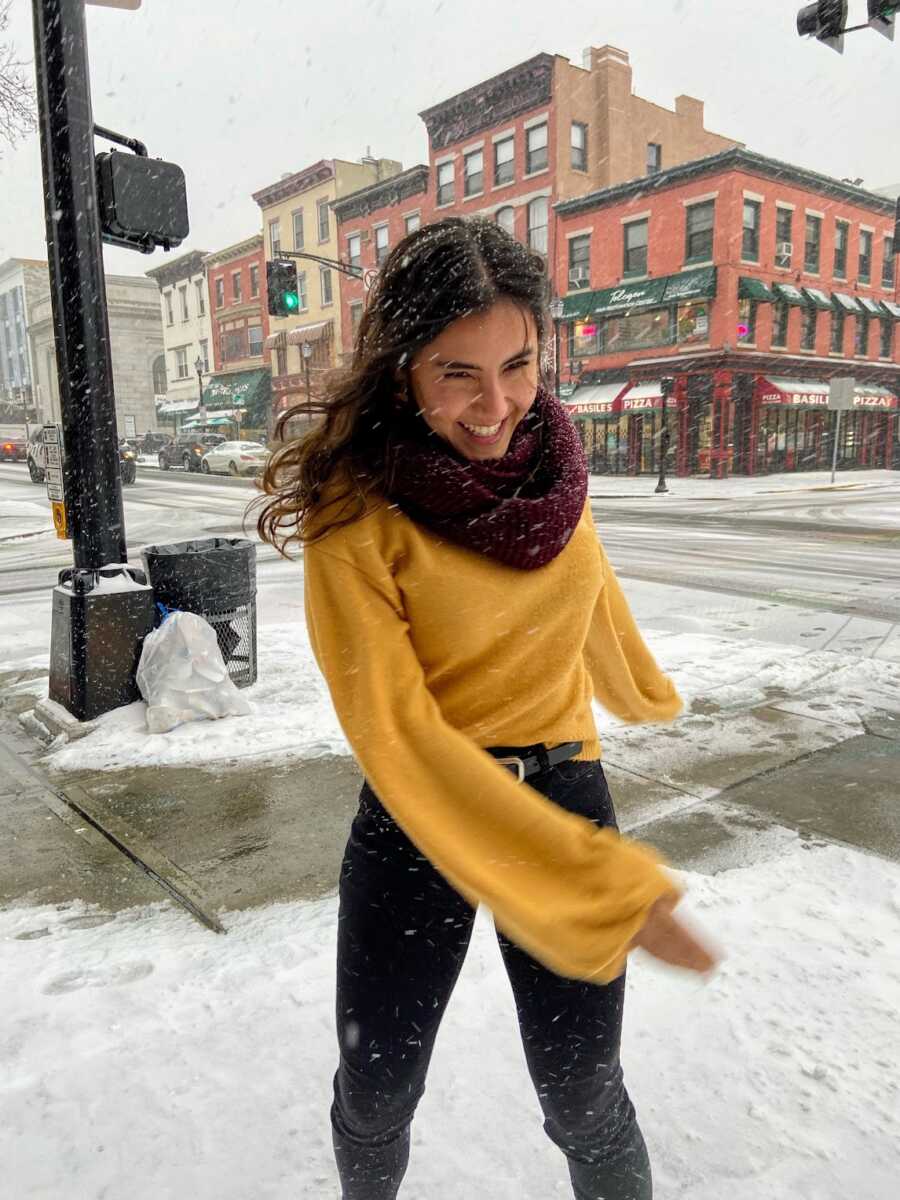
(808, 334)
(236, 287)
(200, 285)
(579, 262)
(700, 220)
(862, 336)
(170, 316)
(841, 241)
(160, 382)
(281, 360)
(746, 330)
(302, 301)
(784, 237)
(654, 158)
(635, 235)
(324, 227)
(445, 184)
(584, 339)
(297, 222)
(780, 313)
(536, 149)
(183, 303)
(865, 256)
(255, 338)
(886, 349)
(220, 292)
(537, 224)
(413, 222)
(381, 244)
(254, 280)
(812, 250)
(504, 161)
(325, 285)
(887, 264)
(356, 312)
(579, 146)
(837, 332)
(637, 331)
(181, 363)
(354, 249)
(506, 219)
(275, 237)
(750, 243)
(204, 354)
(234, 345)
(473, 173)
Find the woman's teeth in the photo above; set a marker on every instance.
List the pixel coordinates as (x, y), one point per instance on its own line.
(482, 430)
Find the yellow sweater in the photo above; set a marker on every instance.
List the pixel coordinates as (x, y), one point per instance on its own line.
(431, 652)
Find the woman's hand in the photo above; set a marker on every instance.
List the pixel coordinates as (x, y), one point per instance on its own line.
(667, 938)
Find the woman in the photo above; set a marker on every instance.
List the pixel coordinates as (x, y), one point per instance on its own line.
(463, 615)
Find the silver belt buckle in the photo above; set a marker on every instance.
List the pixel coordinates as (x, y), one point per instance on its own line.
(517, 762)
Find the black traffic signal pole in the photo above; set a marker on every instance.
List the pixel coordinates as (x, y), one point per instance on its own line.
(77, 286)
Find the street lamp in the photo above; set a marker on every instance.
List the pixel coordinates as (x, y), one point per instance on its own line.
(198, 367)
(667, 386)
(557, 307)
(307, 350)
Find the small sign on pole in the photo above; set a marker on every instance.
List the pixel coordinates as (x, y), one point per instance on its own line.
(841, 393)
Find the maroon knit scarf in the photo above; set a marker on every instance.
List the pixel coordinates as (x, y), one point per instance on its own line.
(520, 509)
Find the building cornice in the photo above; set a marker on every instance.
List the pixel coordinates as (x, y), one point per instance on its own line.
(395, 190)
(178, 269)
(499, 99)
(220, 258)
(293, 185)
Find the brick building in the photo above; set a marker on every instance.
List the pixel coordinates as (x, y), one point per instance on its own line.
(750, 283)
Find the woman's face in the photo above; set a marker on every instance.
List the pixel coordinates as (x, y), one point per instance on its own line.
(477, 380)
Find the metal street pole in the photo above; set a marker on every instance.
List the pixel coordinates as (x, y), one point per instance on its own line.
(667, 386)
(557, 308)
(834, 451)
(306, 350)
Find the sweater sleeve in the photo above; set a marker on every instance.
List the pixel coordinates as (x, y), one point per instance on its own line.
(627, 681)
(572, 895)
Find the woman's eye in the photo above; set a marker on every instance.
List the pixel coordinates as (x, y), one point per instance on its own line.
(517, 366)
(456, 375)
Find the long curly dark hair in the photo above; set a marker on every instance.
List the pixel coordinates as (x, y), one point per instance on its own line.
(436, 275)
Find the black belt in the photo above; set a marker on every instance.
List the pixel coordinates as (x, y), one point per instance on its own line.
(529, 760)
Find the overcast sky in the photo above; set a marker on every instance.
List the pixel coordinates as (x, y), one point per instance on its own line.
(240, 91)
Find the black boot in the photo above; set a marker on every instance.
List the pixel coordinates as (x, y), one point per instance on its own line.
(627, 1177)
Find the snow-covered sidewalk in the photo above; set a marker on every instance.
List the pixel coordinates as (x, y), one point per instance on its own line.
(737, 487)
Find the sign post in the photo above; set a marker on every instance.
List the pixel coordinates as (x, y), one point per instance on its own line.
(841, 391)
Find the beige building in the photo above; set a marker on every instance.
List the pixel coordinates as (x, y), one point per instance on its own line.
(296, 216)
(184, 307)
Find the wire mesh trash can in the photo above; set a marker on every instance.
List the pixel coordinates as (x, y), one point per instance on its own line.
(214, 577)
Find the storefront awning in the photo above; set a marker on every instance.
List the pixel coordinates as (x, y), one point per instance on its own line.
(847, 303)
(877, 399)
(789, 294)
(643, 397)
(754, 289)
(872, 307)
(236, 389)
(796, 393)
(892, 308)
(690, 285)
(819, 299)
(275, 341)
(316, 332)
(598, 402)
(176, 406)
(650, 293)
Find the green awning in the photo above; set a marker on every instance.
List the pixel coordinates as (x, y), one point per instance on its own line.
(892, 308)
(690, 285)
(789, 294)
(754, 289)
(847, 303)
(233, 390)
(819, 299)
(650, 293)
(872, 307)
(577, 306)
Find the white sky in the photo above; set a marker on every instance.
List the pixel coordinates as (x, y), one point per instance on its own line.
(239, 93)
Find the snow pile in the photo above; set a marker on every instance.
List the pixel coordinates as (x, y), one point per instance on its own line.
(23, 518)
(143, 1055)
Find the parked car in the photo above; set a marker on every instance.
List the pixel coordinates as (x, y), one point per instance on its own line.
(235, 458)
(187, 450)
(14, 449)
(152, 443)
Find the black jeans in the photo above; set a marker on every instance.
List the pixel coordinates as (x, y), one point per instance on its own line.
(403, 932)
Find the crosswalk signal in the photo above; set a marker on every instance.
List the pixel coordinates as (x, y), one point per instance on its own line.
(881, 16)
(826, 21)
(281, 287)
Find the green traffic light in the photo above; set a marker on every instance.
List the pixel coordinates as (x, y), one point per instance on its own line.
(291, 300)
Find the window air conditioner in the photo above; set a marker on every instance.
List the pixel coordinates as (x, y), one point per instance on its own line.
(784, 249)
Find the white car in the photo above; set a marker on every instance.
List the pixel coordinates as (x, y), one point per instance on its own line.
(234, 458)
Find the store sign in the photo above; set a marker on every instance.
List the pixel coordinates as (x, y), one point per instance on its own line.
(813, 399)
(641, 403)
(875, 402)
(597, 408)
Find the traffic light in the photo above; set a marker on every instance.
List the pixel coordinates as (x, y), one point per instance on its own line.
(881, 16)
(281, 286)
(826, 21)
(142, 201)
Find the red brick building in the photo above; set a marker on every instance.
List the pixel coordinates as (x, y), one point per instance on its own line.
(748, 282)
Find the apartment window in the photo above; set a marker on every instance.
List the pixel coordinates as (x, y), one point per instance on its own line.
(220, 292)
(536, 149)
(504, 161)
(170, 316)
(537, 224)
(200, 285)
(275, 237)
(473, 173)
(700, 221)
(303, 301)
(808, 334)
(181, 363)
(356, 312)
(281, 360)
(255, 339)
(204, 354)
(837, 332)
(183, 302)
(579, 262)
(887, 264)
(635, 235)
(780, 313)
(654, 158)
(325, 285)
(812, 250)
(297, 222)
(750, 242)
(445, 184)
(784, 237)
(381, 244)
(506, 219)
(234, 345)
(746, 330)
(324, 227)
(413, 222)
(354, 249)
(862, 336)
(865, 256)
(236, 296)
(579, 146)
(254, 280)
(841, 242)
(886, 349)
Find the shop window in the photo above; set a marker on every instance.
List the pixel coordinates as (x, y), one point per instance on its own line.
(579, 146)
(746, 329)
(780, 313)
(862, 336)
(579, 262)
(504, 161)
(584, 339)
(699, 226)
(808, 334)
(445, 175)
(473, 173)
(692, 323)
(837, 333)
(865, 256)
(887, 264)
(750, 242)
(784, 233)
(886, 349)
(812, 250)
(536, 149)
(638, 331)
(841, 242)
(635, 236)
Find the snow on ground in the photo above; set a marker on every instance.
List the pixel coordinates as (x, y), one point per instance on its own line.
(697, 487)
(143, 1056)
(24, 518)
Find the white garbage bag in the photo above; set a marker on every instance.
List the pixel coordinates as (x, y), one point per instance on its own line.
(183, 676)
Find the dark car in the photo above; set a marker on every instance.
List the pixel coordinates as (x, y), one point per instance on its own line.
(187, 450)
(13, 449)
(152, 443)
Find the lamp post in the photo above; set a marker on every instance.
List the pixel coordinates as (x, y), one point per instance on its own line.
(306, 350)
(198, 367)
(667, 385)
(556, 313)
